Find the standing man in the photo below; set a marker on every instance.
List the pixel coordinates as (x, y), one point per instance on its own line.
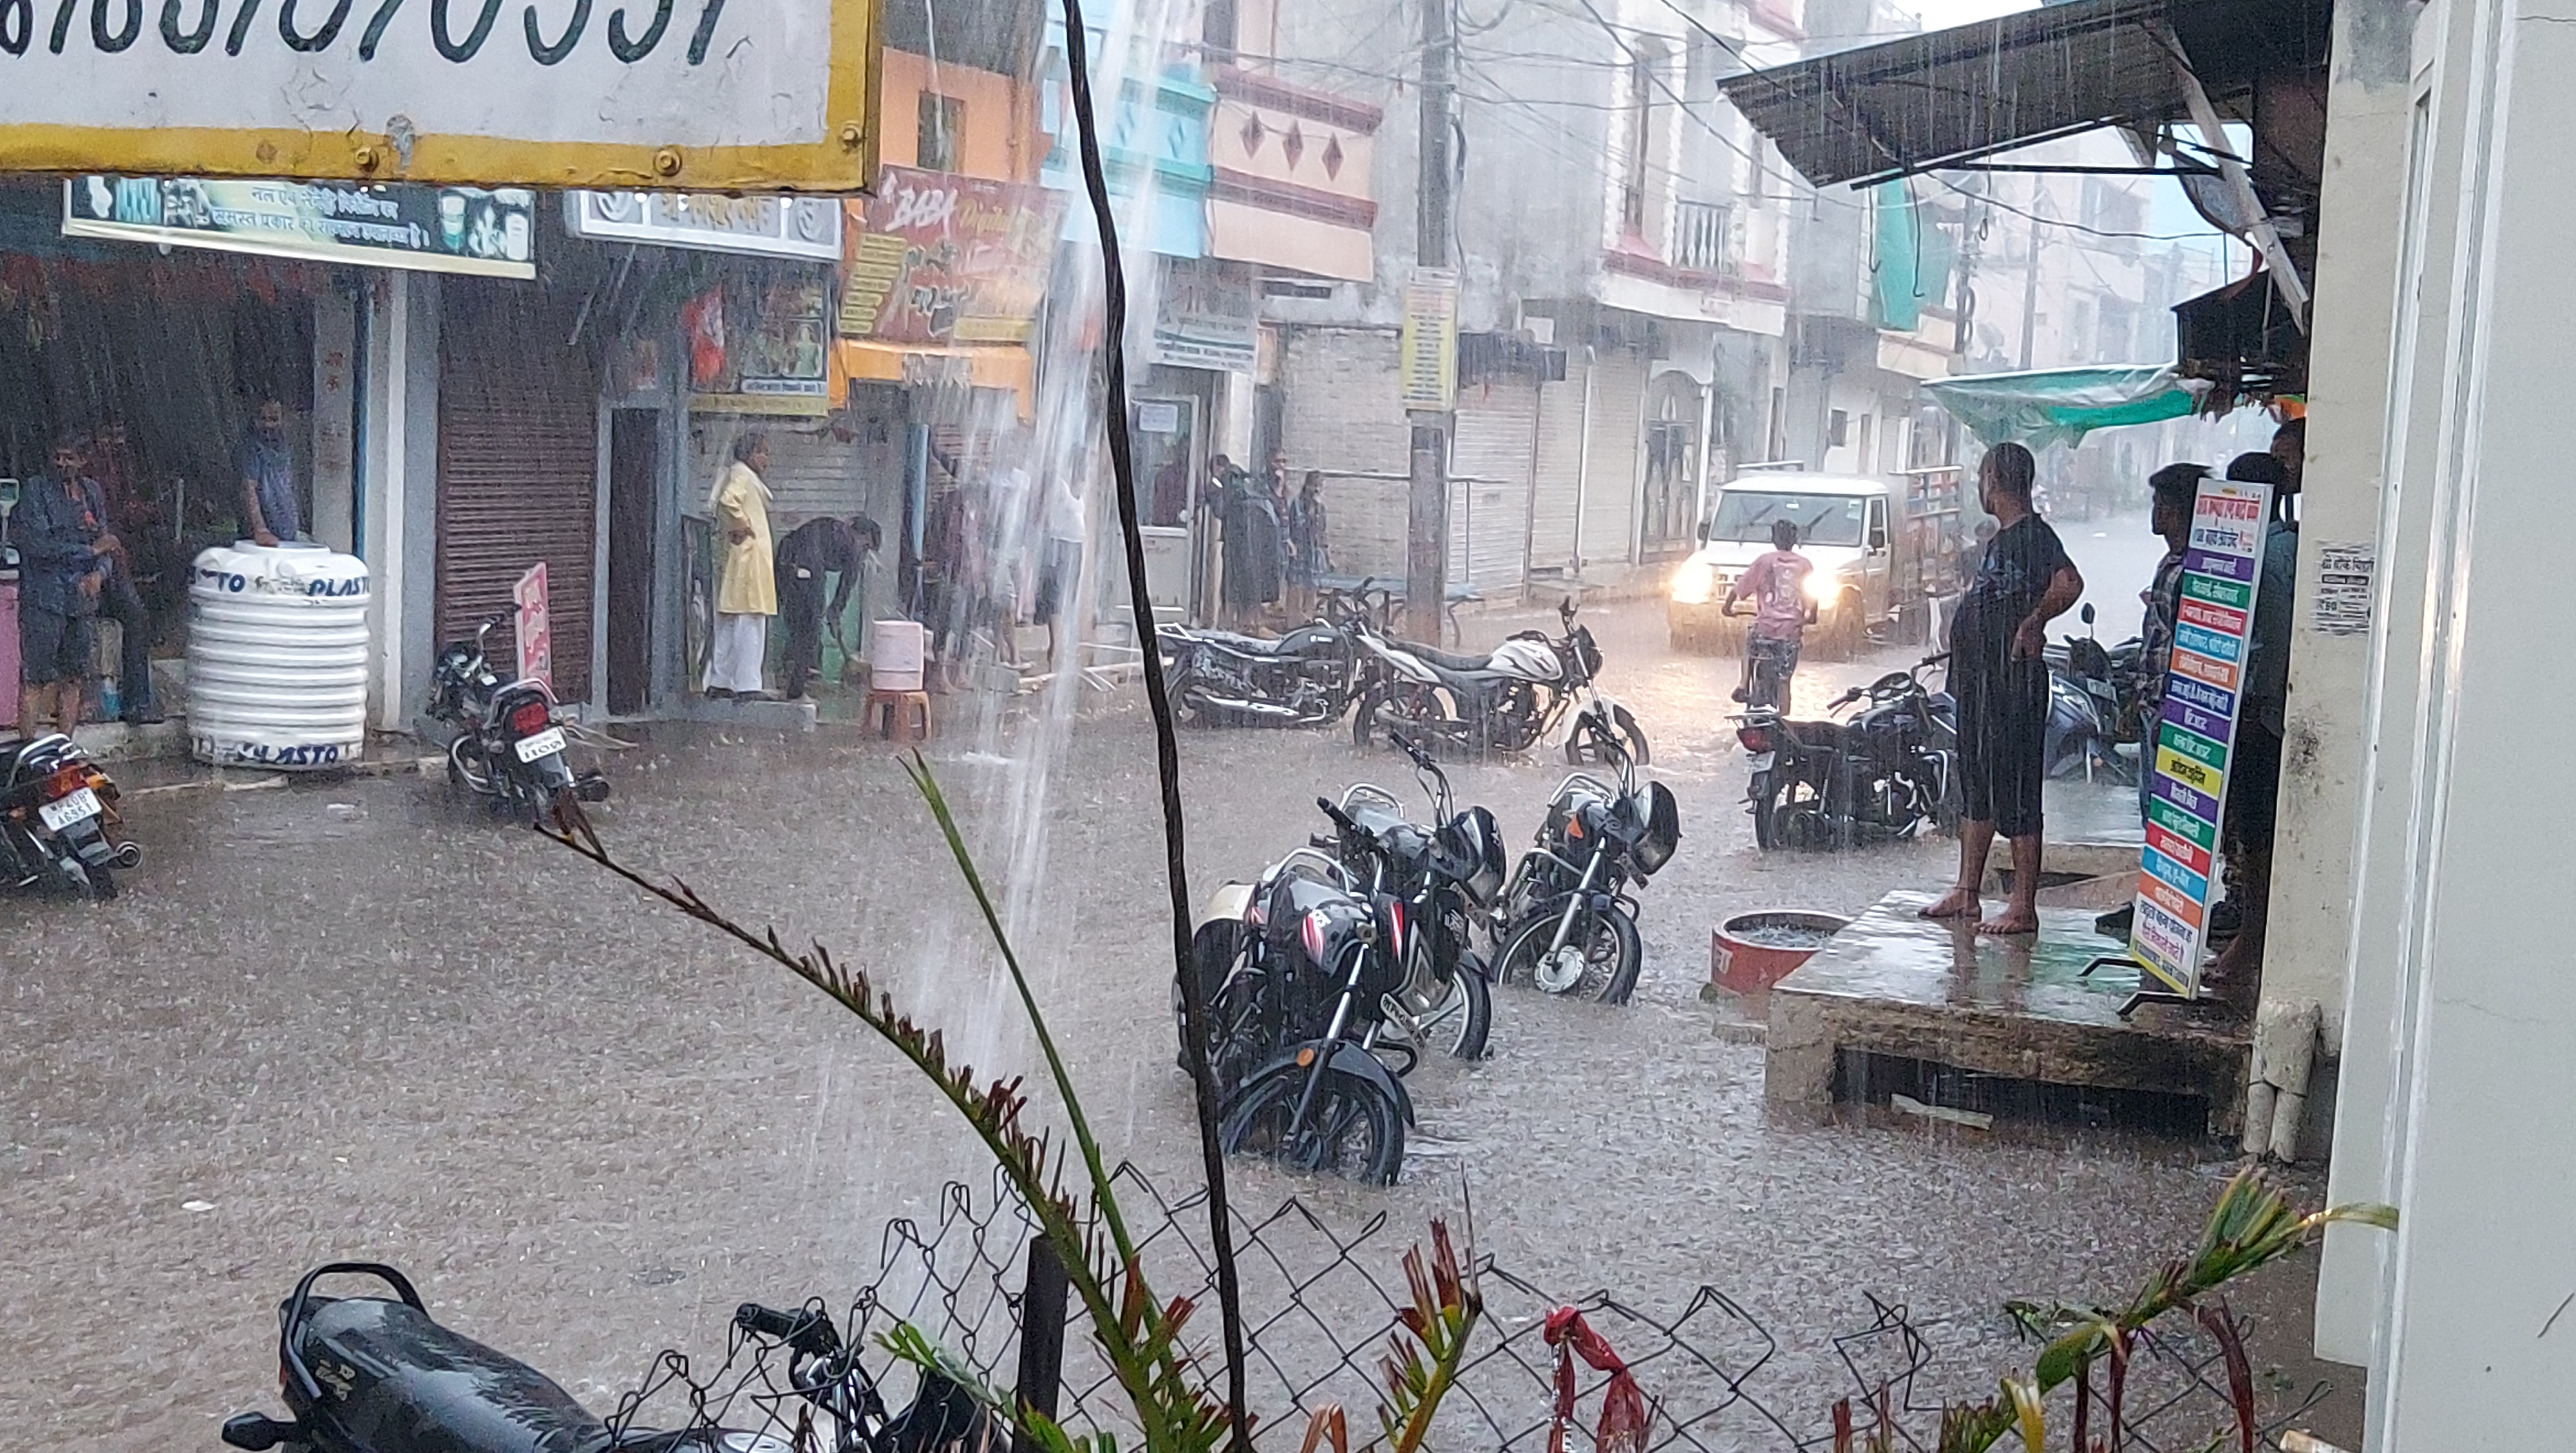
(2254, 761)
(272, 511)
(2173, 491)
(67, 550)
(129, 520)
(1309, 547)
(746, 588)
(2023, 582)
(817, 548)
(1777, 584)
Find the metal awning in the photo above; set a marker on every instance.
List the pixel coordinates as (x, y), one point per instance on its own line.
(1955, 95)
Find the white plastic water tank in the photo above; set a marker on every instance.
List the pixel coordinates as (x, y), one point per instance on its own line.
(277, 657)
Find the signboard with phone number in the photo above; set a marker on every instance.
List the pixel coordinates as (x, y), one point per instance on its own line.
(759, 95)
(2188, 752)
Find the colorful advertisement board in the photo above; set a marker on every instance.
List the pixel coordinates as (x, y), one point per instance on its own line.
(425, 229)
(2188, 752)
(938, 259)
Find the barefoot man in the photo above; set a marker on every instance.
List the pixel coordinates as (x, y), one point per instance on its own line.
(2024, 581)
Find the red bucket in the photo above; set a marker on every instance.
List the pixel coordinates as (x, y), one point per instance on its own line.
(1750, 952)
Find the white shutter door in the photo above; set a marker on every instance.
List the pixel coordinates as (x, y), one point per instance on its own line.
(1491, 459)
(810, 473)
(1342, 416)
(1558, 473)
(1617, 454)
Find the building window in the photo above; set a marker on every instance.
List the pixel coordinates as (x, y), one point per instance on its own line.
(1218, 30)
(943, 129)
(1641, 132)
(1837, 429)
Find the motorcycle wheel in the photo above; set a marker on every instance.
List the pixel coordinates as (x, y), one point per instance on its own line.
(1612, 957)
(1351, 1130)
(1774, 799)
(1462, 1023)
(1584, 743)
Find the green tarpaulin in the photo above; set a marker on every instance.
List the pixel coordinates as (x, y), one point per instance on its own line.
(2062, 405)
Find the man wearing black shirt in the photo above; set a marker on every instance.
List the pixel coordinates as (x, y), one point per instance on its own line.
(2023, 582)
(810, 552)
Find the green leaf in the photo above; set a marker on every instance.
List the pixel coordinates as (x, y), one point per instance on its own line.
(2028, 1412)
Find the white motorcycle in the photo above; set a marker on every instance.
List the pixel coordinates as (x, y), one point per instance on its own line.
(1509, 700)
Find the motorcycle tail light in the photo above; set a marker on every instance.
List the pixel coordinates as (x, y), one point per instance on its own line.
(1395, 924)
(530, 718)
(66, 782)
(1755, 739)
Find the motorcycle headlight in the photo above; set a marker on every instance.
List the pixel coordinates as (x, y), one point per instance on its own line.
(1694, 583)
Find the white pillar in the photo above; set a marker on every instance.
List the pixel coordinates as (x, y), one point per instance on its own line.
(335, 386)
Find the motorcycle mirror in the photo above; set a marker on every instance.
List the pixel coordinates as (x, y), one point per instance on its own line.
(2087, 613)
(255, 1431)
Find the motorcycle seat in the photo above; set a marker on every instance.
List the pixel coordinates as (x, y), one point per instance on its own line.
(1237, 641)
(1464, 665)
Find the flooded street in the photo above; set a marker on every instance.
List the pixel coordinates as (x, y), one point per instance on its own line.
(352, 1019)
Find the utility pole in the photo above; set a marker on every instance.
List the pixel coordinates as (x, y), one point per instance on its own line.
(1426, 573)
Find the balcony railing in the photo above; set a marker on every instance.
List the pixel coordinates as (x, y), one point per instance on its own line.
(1700, 237)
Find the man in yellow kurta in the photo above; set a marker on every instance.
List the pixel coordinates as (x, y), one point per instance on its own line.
(746, 593)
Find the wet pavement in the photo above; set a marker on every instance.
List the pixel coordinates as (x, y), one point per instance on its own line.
(355, 1019)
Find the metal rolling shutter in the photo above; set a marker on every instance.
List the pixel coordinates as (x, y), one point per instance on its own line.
(518, 468)
(1610, 489)
(810, 473)
(1343, 417)
(1556, 474)
(1491, 458)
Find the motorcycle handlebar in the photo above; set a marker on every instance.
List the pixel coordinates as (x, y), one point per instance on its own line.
(805, 1329)
(1342, 819)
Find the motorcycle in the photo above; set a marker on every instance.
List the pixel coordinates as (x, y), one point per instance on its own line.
(507, 746)
(1568, 923)
(2093, 707)
(1888, 771)
(1508, 700)
(1305, 678)
(379, 1375)
(57, 819)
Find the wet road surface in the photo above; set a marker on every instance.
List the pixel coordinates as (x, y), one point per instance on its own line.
(352, 1018)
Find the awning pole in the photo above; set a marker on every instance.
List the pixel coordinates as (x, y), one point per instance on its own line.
(2213, 135)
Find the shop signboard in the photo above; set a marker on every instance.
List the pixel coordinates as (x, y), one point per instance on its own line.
(1207, 315)
(536, 628)
(425, 229)
(761, 347)
(936, 259)
(2191, 742)
(806, 227)
(1427, 348)
(714, 95)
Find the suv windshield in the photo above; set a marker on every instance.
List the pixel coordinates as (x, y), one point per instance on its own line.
(1822, 519)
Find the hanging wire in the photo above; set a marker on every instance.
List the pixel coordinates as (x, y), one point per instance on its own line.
(1167, 750)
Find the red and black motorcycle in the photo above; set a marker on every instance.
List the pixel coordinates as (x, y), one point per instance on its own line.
(507, 747)
(58, 819)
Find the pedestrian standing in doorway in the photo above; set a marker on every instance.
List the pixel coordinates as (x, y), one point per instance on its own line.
(812, 552)
(272, 510)
(746, 585)
(1997, 673)
(121, 600)
(1309, 544)
(66, 551)
(1060, 572)
(1776, 583)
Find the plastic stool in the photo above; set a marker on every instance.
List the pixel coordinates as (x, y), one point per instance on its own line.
(902, 716)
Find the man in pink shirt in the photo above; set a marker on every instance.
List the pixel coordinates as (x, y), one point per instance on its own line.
(1777, 585)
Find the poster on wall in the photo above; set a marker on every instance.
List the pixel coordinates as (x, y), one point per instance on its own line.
(536, 628)
(1208, 315)
(760, 348)
(940, 259)
(2194, 736)
(1427, 348)
(425, 229)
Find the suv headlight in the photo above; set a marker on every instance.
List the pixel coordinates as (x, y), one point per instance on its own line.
(1822, 586)
(1694, 583)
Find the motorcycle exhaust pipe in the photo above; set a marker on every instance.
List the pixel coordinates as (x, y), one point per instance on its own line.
(129, 855)
(1254, 708)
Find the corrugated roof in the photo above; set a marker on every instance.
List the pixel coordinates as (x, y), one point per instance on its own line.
(1956, 95)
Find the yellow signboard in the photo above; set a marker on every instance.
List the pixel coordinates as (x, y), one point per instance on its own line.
(716, 95)
(1427, 346)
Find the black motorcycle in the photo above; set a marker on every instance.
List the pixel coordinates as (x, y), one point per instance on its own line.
(58, 819)
(1507, 700)
(1306, 678)
(507, 747)
(378, 1375)
(1568, 923)
(2093, 707)
(1888, 771)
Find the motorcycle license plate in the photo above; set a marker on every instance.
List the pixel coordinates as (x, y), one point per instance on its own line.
(1758, 761)
(541, 746)
(62, 812)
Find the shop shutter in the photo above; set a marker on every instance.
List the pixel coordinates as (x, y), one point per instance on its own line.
(1491, 457)
(1342, 416)
(518, 467)
(1557, 474)
(811, 472)
(1610, 490)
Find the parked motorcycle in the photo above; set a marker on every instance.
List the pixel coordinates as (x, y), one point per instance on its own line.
(1507, 700)
(1305, 678)
(2093, 707)
(507, 746)
(58, 819)
(378, 1375)
(1568, 923)
(1888, 771)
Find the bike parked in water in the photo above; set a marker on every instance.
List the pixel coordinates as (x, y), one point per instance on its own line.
(379, 1375)
(1306, 678)
(58, 819)
(1568, 924)
(1889, 771)
(507, 746)
(2093, 707)
(1507, 700)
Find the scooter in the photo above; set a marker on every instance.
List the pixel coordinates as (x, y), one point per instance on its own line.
(379, 1375)
(507, 745)
(57, 819)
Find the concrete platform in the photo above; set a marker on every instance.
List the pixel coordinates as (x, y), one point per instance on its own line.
(1898, 985)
